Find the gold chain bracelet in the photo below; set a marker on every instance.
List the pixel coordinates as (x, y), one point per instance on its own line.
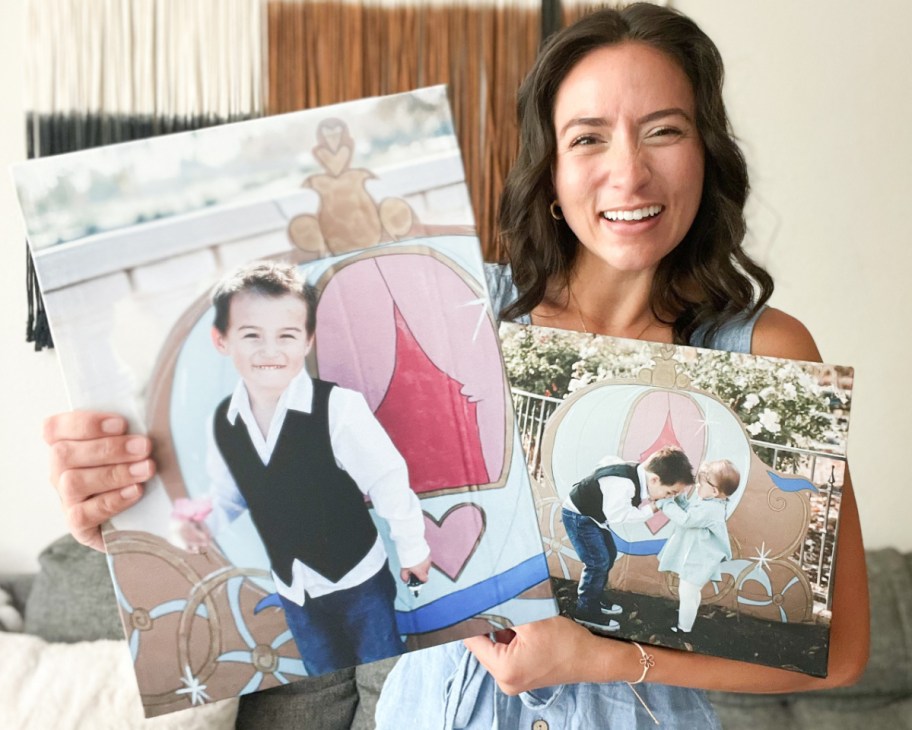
(647, 661)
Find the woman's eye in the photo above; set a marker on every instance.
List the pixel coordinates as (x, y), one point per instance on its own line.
(251, 336)
(584, 140)
(664, 132)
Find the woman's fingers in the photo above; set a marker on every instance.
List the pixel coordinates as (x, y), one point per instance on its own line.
(97, 452)
(96, 468)
(83, 425)
(78, 485)
(87, 439)
(86, 517)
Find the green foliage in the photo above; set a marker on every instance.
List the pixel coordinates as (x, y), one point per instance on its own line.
(555, 362)
(778, 401)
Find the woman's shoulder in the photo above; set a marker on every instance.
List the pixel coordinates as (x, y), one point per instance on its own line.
(768, 331)
(499, 278)
(777, 334)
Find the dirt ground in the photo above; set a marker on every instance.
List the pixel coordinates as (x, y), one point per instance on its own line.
(717, 631)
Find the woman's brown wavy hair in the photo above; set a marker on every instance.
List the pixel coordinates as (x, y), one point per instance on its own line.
(708, 278)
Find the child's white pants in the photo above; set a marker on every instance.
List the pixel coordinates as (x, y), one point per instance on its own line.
(689, 595)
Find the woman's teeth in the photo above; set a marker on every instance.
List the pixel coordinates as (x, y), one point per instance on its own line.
(637, 214)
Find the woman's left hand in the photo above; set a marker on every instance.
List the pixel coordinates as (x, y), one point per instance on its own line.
(549, 652)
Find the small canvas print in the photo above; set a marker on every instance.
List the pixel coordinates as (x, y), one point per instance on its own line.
(294, 309)
(687, 498)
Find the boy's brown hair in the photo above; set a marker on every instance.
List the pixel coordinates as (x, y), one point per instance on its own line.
(268, 279)
(670, 465)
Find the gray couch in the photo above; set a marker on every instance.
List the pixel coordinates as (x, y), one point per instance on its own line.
(77, 578)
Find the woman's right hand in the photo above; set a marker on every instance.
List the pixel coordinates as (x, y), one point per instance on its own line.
(97, 469)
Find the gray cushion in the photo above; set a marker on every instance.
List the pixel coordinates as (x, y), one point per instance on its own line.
(18, 586)
(780, 713)
(72, 598)
(370, 679)
(889, 670)
(326, 702)
(885, 686)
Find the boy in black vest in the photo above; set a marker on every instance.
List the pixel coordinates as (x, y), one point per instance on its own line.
(616, 492)
(301, 455)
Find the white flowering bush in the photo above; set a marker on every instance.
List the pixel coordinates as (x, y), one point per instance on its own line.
(555, 362)
(779, 402)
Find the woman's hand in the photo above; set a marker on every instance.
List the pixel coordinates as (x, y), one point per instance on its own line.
(553, 651)
(97, 469)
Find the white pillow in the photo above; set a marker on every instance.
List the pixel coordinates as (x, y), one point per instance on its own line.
(86, 685)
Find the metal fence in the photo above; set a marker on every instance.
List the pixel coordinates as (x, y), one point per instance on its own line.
(532, 413)
(826, 471)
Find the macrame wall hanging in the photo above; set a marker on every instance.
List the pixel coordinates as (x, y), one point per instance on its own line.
(105, 71)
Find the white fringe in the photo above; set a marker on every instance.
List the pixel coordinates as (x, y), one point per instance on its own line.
(167, 58)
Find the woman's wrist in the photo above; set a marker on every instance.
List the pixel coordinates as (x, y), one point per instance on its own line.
(646, 660)
(614, 661)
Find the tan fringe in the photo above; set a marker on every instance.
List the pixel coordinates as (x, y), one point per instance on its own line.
(326, 52)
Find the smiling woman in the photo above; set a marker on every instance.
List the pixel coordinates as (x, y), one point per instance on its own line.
(624, 215)
(640, 91)
(629, 169)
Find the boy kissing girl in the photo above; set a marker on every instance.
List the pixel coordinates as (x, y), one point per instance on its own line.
(301, 455)
(615, 493)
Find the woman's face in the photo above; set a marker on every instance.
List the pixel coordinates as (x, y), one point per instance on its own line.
(629, 167)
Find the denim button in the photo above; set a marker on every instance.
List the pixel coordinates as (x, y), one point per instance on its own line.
(539, 725)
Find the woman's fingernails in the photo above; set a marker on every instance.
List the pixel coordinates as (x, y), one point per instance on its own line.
(136, 445)
(131, 492)
(141, 469)
(112, 425)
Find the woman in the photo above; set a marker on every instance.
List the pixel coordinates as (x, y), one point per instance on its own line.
(623, 216)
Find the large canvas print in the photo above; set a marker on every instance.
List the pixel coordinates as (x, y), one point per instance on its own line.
(294, 309)
(687, 498)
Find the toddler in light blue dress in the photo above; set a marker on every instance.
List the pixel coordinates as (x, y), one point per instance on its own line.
(699, 544)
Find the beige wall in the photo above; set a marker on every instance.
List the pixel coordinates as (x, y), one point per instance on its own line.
(30, 515)
(824, 117)
(819, 95)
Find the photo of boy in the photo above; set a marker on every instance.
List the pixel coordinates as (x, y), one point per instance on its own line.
(699, 543)
(301, 455)
(616, 492)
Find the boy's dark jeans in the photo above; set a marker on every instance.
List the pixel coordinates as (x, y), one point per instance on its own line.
(596, 549)
(346, 628)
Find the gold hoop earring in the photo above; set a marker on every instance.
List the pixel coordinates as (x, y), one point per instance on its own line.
(556, 212)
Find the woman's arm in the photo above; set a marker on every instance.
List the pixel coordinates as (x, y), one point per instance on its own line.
(559, 651)
(97, 469)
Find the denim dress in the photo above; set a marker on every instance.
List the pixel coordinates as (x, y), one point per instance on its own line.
(445, 687)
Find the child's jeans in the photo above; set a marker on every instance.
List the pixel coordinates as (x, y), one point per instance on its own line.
(345, 628)
(596, 549)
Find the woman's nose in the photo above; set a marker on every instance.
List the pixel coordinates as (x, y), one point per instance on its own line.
(628, 168)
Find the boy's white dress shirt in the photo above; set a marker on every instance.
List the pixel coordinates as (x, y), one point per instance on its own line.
(617, 497)
(362, 448)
